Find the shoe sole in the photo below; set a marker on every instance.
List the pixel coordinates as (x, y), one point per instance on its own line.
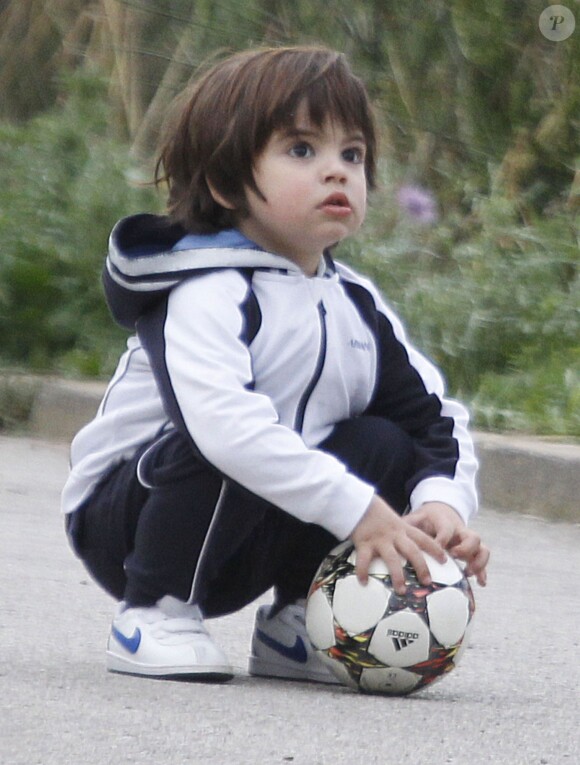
(259, 667)
(213, 673)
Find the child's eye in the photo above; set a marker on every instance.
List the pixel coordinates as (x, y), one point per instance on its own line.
(301, 150)
(354, 154)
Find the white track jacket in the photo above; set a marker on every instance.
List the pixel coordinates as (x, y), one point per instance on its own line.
(256, 362)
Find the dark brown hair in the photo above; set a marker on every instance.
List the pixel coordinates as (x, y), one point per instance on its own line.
(224, 120)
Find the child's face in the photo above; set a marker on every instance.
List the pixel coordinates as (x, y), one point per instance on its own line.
(315, 187)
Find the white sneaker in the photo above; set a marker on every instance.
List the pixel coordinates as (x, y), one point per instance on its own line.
(165, 640)
(281, 648)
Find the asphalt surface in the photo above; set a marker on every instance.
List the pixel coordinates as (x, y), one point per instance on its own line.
(513, 700)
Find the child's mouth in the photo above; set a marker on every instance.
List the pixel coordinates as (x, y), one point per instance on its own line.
(336, 204)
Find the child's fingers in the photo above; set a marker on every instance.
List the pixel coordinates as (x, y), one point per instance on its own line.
(477, 565)
(466, 545)
(427, 544)
(364, 556)
(367, 553)
(412, 548)
(442, 531)
(471, 550)
(381, 533)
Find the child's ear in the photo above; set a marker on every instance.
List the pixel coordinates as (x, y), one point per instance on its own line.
(217, 197)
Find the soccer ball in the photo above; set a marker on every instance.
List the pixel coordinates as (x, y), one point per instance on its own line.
(377, 641)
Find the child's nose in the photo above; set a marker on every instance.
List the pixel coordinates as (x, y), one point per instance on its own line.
(334, 170)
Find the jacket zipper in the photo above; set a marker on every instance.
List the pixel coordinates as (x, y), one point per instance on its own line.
(303, 403)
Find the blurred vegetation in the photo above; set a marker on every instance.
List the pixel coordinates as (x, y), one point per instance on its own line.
(63, 182)
(479, 115)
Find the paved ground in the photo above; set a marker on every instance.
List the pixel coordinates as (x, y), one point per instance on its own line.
(512, 701)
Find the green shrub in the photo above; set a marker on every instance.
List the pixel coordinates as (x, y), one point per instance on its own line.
(63, 184)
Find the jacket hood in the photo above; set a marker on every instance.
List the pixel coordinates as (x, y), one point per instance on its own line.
(148, 256)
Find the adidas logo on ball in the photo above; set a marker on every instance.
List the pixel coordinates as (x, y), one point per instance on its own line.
(402, 639)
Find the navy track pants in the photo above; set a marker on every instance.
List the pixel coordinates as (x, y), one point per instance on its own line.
(180, 528)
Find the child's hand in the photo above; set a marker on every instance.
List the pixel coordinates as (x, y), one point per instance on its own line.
(381, 533)
(442, 523)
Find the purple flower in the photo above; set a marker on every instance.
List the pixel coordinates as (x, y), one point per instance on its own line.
(418, 204)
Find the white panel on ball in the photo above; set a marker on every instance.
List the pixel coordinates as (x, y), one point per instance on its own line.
(378, 567)
(448, 612)
(388, 680)
(444, 573)
(401, 640)
(358, 607)
(319, 621)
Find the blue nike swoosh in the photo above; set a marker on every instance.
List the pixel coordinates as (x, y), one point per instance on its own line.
(131, 643)
(296, 652)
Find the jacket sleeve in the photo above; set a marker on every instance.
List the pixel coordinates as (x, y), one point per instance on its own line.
(203, 366)
(410, 392)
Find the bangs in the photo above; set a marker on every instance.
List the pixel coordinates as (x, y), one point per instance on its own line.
(323, 82)
(329, 96)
